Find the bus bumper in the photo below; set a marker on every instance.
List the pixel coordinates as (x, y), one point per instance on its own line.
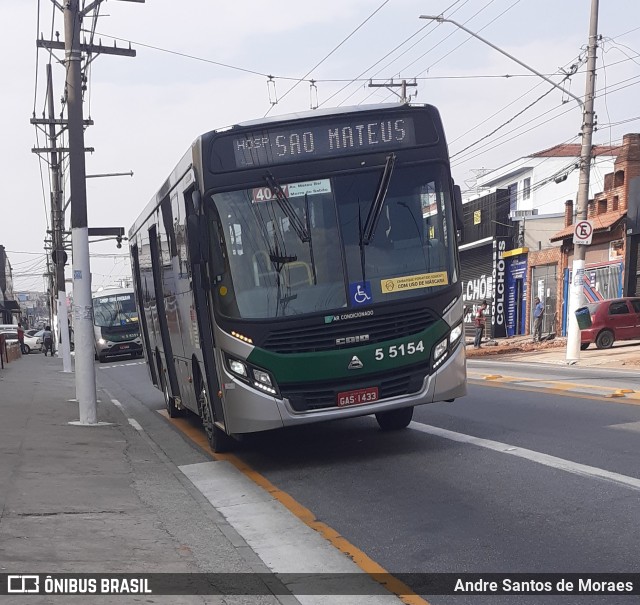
(248, 411)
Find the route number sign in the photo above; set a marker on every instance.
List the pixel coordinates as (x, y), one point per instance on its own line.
(583, 233)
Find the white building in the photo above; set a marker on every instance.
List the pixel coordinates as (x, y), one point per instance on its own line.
(542, 182)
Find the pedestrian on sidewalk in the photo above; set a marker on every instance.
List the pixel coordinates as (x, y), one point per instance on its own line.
(538, 314)
(21, 339)
(47, 340)
(479, 321)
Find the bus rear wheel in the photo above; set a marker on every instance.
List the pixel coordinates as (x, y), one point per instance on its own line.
(218, 440)
(394, 420)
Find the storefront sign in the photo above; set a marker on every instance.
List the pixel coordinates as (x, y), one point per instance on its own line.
(498, 306)
(516, 295)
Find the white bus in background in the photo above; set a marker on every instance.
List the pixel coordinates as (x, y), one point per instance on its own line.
(115, 324)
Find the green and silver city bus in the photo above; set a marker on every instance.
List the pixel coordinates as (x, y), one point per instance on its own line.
(115, 324)
(304, 268)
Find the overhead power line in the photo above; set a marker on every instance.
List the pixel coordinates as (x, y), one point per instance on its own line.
(330, 53)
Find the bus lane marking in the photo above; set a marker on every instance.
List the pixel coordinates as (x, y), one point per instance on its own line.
(377, 573)
(575, 468)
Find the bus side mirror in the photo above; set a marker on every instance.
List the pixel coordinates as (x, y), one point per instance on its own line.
(211, 239)
(457, 204)
(193, 237)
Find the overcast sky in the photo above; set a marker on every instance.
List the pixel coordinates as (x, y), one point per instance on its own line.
(147, 110)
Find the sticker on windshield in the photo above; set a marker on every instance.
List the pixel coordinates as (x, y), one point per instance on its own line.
(265, 194)
(310, 188)
(412, 282)
(360, 293)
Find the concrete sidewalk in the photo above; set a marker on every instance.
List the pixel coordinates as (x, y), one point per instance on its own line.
(99, 499)
(132, 495)
(624, 355)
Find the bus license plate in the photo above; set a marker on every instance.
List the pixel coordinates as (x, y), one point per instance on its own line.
(358, 396)
(124, 346)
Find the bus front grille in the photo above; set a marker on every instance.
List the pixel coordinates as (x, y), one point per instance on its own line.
(314, 397)
(377, 328)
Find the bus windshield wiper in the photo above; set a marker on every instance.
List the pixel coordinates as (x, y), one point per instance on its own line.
(378, 201)
(286, 207)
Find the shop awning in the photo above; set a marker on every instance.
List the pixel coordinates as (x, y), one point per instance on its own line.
(11, 305)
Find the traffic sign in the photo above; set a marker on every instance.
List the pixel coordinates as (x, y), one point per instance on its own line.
(583, 233)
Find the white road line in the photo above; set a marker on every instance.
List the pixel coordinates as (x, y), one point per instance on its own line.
(627, 426)
(118, 405)
(136, 425)
(278, 537)
(552, 461)
(132, 421)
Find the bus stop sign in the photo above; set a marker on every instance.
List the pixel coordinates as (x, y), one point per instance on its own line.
(583, 233)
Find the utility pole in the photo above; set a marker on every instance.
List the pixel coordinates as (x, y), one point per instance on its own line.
(59, 256)
(576, 295)
(74, 85)
(82, 304)
(403, 84)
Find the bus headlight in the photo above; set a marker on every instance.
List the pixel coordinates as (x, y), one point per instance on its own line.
(237, 367)
(102, 341)
(262, 377)
(455, 334)
(255, 377)
(441, 349)
(262, 381)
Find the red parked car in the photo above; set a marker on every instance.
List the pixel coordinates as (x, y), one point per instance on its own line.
(611, 320)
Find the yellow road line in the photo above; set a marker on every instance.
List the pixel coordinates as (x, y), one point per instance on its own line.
(626, 396)
(363, 561)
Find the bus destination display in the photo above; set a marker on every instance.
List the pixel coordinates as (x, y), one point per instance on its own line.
(296, 143)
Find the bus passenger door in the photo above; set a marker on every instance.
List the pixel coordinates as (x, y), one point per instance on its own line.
(198, 238)
(142, 319)
(162, 314)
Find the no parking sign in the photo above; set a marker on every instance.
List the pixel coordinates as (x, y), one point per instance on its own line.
(583, 233)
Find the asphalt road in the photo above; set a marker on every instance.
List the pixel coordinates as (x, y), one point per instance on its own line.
(589, 376)
(508, 479)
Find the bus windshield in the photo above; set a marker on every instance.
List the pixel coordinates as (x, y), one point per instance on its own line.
(299, 247)
(114, 310)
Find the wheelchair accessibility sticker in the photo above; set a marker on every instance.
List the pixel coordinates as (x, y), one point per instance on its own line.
(360, 293)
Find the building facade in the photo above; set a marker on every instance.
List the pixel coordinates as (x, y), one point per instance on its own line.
(9, 307)
(486, 238)
(541, 182)
(611, 260)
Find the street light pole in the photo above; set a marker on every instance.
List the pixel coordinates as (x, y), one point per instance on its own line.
(576, 294)
(441, 19)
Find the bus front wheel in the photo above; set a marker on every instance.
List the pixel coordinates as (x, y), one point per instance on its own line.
(394, 420)
(218, 440)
